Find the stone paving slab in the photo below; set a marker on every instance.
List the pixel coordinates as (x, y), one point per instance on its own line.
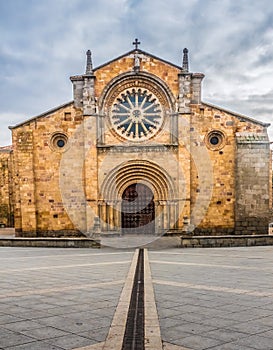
(56, 299)
(215, 298)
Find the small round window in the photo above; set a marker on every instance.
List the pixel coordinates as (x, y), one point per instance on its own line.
(59, 141)
(215, 140)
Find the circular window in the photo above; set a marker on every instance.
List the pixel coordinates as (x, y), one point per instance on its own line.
(136, 114)
(215, 140)
(59, 141)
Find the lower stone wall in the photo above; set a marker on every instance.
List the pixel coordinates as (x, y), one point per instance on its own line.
(49, 243)
(225, 241)
(51, 233)
(253, 183)
(213, 231)
(252, 225)
(4, 214)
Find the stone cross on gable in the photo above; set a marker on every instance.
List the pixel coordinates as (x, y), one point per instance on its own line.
(136, 43)
(136, 56)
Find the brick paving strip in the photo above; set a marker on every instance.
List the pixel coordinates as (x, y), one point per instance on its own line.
(152, 329)
(152, 334)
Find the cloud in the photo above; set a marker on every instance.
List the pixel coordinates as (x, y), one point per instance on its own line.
(44, 42)
(8, 119)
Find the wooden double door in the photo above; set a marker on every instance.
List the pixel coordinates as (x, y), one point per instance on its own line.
(138, 210)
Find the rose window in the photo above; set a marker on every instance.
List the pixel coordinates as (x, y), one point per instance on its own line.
(136, 114)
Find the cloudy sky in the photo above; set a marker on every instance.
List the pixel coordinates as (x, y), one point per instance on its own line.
(44, 42)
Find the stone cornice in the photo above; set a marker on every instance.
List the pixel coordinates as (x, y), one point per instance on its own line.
(137, 148)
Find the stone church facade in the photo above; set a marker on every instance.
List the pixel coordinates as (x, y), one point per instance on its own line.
(137, 151)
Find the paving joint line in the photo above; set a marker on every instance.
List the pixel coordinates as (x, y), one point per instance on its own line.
(56, 267)
(152, 333)
(237, 267)
(214, 288)
(151, 328)
(60, 289)
(115, 336)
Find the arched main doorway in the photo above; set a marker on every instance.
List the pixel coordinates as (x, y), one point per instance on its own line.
(138, 210)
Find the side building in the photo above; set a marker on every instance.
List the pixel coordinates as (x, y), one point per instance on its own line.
(6, 187)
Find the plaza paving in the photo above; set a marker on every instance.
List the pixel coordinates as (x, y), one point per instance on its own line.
(220, 299)
(206, 298)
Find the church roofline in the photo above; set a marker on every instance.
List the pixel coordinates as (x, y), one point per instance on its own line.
(6, 149)
(140, 52)
(41, 115)
(238, 115)
(131, 52)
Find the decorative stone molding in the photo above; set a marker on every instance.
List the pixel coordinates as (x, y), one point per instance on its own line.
(141, 80)
(247, 137)
(125, 148)
(138, 171)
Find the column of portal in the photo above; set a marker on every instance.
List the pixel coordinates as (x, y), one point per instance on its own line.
(158, 217)
(115, 216)
(118, 215)
(168, 215)
(103, 216)
(175, 214)
(111, 215)
(165, 215)
(161, 216)
(172, 214)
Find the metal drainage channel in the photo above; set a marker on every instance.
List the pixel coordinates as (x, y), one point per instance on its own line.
(134, 331)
